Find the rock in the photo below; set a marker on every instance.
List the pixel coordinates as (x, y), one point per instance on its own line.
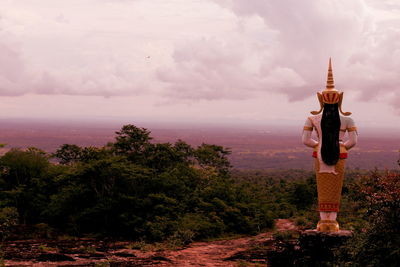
(320, 247)
(89, 264)
(125, 264)
(257, 254)
(309, 248)
(124, 254)
(98, 255)
(339, 234)
(159, 258)
(54, 257)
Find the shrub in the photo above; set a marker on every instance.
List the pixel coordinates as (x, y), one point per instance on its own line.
(8, 219)
(379, 243)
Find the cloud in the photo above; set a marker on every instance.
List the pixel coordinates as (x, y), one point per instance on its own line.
(57, 53)
(224, 69)
(187, 51)
(384, 4)
(289, 53)
(13, 75)
(277, 46)
(90, 82)
(374, 69)
(18, 76)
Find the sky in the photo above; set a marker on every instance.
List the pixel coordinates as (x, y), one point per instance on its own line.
(242, 62)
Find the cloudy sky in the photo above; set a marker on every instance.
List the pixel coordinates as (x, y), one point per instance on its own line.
(210, 61)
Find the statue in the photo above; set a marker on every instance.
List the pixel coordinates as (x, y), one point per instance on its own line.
(330, 151)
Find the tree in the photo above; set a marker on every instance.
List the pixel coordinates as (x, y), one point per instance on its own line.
(213, 156)
(21, 181)
(68, 154)
(302, 193)
(132, 142)
(19, 167)
(379, 243)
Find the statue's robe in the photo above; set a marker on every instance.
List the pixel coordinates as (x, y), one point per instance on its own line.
(329, 177)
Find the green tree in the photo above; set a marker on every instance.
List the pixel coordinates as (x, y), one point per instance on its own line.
(132, 141)
(19, 167)
(68, 154)
(213, 156)
(302, 194)
(21, 181)
(379, 243)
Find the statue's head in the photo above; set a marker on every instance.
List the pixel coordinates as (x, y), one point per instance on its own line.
(330, 95)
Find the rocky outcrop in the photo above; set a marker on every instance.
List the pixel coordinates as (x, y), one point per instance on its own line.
(298, 248)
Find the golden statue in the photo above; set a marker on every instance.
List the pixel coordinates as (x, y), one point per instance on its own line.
(330, 151)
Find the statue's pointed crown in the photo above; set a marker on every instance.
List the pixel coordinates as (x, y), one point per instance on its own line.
(329, 83)
(330, 95)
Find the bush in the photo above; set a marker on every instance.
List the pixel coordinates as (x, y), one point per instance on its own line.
(8, 219)
(379, 243)
(181, 238)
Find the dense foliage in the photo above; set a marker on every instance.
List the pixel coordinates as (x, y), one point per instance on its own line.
(377, 243)
(136, 188)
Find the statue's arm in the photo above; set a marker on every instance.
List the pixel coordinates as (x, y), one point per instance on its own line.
(306, 137)
(352, 134)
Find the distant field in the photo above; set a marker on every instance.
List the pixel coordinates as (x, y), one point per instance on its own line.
(250, 149)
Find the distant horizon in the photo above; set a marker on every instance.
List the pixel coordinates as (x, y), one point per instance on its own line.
(117, 123)
(253, 147)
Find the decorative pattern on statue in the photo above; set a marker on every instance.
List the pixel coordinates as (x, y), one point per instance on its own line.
(330, 150)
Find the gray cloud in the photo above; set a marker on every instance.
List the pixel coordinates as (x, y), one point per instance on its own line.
(58, 65)
(18, 77)
(224, 69)
(290, 53)
(13, 75)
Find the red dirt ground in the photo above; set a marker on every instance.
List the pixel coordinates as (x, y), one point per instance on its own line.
(208, 254)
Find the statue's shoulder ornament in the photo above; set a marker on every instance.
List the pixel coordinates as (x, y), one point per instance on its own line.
(315, 120)
(348, 124)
